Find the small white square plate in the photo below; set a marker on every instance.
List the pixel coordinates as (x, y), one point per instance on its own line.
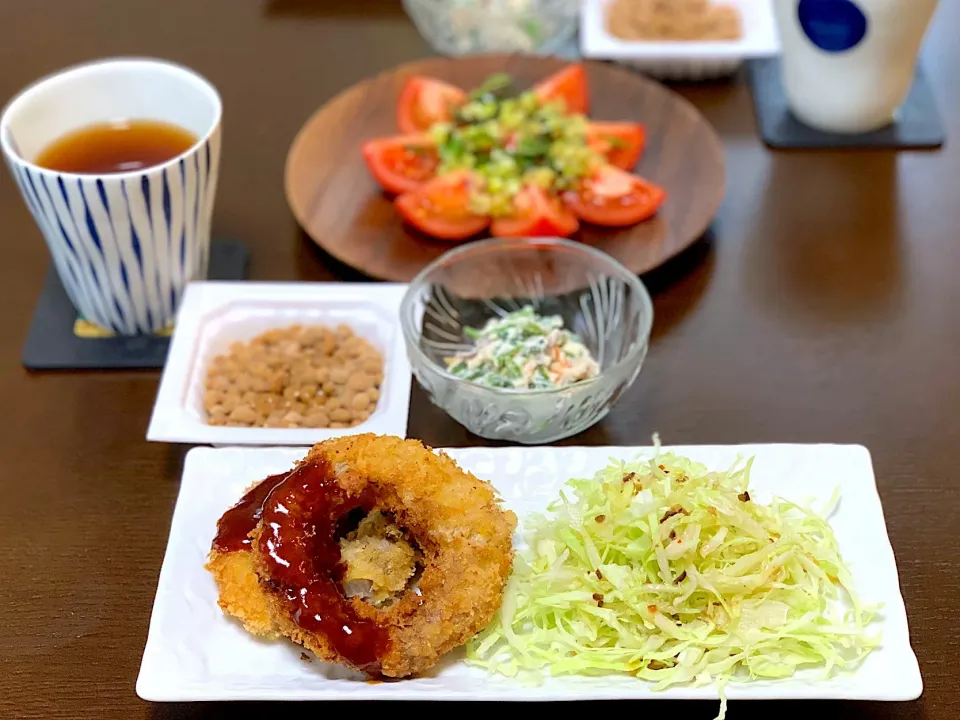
(682, 60)
(194, 652)
(213, 315)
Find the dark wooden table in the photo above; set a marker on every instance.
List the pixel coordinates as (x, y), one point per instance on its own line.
(823, 307)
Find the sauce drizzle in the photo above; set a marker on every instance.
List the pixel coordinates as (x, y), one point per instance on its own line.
(300, 548)
(236, 524)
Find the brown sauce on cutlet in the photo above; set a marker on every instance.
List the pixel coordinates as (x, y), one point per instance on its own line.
(302, 523)
(236, 524)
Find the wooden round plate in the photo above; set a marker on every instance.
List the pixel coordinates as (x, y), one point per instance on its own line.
(339, 205)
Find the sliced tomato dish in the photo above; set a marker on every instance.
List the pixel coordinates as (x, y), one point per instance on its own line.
(426, 101)
(537, 213)
(620, 143)
(441, 208)
(527, 161)
(569, 85)
(403, 163)
(614, 198)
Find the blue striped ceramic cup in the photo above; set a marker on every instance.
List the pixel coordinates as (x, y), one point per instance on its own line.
(125, 244)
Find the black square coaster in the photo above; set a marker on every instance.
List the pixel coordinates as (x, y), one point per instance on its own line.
(52, 343)
(917, 126)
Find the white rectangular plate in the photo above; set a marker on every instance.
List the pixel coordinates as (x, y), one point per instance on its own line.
(213, 315)
(682, 59)
(194, 652)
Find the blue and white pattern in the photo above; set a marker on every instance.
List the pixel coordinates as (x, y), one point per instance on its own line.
(126, 245)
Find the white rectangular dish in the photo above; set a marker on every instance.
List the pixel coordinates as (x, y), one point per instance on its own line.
(682, 60)
(213, 315)
(194, 652)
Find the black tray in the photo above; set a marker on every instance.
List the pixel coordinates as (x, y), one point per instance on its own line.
(52, 343)
(917, 126)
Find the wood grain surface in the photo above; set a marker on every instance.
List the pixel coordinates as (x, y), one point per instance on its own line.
(823, 308)
(338, 204)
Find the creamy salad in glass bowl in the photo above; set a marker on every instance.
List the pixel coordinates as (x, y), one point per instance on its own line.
(469, 27)
(529, 340)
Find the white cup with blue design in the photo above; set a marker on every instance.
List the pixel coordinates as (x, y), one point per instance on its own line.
(118, 162)
(848, 64)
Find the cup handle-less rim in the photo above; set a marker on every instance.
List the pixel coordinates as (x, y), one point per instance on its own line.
(12, 151)
(7, 139)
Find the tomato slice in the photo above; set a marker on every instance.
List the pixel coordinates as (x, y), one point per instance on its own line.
(569, 85)
(537, 213)
(402, 163)
(614, 198)
(620, 143)
(441, 208)
(425, 101)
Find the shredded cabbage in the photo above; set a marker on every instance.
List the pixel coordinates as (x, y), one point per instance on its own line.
(670, 572)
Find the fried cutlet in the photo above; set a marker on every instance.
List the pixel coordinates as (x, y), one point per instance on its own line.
(426, 565)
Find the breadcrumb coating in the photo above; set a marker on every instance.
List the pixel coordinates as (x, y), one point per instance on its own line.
(451, 522)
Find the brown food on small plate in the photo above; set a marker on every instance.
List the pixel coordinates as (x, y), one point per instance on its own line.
(673, 20)
(374, 552)
(295, 377)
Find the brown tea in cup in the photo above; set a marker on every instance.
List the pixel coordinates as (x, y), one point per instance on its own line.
(116, 147)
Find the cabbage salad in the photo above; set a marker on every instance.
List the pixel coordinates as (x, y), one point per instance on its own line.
(670, 572)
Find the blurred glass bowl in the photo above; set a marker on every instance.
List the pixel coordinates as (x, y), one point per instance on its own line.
(598, 298)
(469, 27)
